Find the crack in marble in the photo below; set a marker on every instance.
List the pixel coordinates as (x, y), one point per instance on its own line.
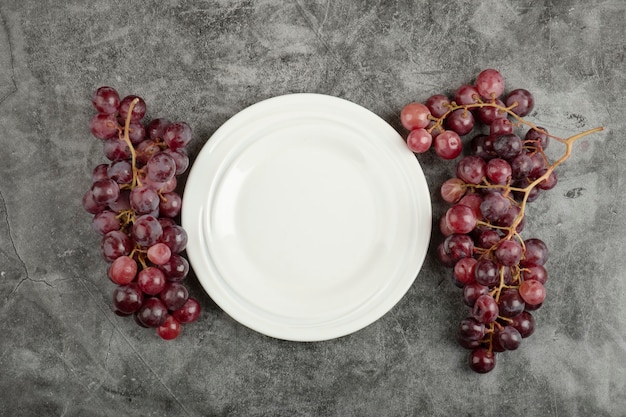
(17, 254)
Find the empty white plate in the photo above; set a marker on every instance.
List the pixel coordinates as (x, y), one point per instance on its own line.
(308, 217)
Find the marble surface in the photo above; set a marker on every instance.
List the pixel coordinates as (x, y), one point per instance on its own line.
(64, 353)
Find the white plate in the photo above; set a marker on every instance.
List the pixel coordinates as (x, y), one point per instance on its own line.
(308, 218)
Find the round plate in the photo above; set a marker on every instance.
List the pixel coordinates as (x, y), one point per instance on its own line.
(308, 217)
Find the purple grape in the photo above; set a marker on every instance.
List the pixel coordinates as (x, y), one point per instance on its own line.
(161, 167)
(174, 295)
(472, 291)
(509, 252)
(459, 246)
(152, 312)
(485, 309)
(524, 323)
(509, 338)
(156, 128)
(494, 206)
(536, 252)
(106, 100)
(104, 126)
(105, 191)
(177, 135)
(471, 169)
(176, 269)
(521, 166)
(147, 230)
(121, 172)
(138, 111)
(487, 273)
(115, 244)
(523, 98)
(106, 221)
(144, 200)
(482, 360)
(127, 299)
(116, 149)
(537, 137)
(508, 146)
(510, 303)
(460, 121)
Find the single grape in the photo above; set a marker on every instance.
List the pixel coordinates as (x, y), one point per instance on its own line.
(509, 338)
(414, 116)
(524, 100)
(510, 303)
(508, 146)
(105, 221)
(159, 253)
(100, 172)
(448, 145)
(152, 312)
(466, 94)
(127, 299)
(121, 172)
(123, 270)
(175, 237)
(115, 244)
(524, 323)
(482, 360)
(106, 100)
(151, 280)
(90, 205)
(498, 171)
(464, 270)
(147, 230)
(174, 295)
(461, 219)
(170, 205)
(509, 252)
(116, 149)
(136, 133)
(161, 167)
(419, 140)
(487, 273)
(104, 126)
(536, 252)
(176, 269)
(438, 105)
(189, 312)
(452, 190)
(494, 206)
(170, 329)
(533, 292)
(460, 121)
(458, 246)
(139, 110)
(471, 169)
(178, 134)
(144, 199)
(105, 191)
(490, 84)
(472, 291)
(156, 128)
(485, 309)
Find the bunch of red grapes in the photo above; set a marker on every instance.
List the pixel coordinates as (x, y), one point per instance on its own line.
(502, 275)
(136, 210)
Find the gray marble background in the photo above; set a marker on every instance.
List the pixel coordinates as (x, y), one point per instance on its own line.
(64, 353)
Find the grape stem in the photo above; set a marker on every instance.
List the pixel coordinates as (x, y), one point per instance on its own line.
(124, 135)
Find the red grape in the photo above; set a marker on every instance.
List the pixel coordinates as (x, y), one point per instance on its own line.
(419, 140)
(448, 145)
(490, 84)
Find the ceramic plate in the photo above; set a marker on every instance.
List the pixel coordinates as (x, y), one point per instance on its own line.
(308, 218)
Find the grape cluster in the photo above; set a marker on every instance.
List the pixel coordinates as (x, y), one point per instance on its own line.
(501, 274)
(135, 208)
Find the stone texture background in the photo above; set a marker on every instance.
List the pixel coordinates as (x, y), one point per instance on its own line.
(64, 353)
